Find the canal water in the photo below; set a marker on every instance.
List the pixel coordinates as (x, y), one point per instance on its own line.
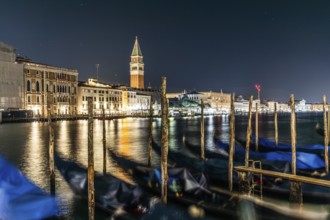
(26, 145)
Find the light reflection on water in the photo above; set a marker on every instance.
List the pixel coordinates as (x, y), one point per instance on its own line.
(26, 144)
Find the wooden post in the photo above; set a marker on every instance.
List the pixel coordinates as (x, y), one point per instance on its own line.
(293, 135)
(232, 143)
(248, 134)
(328, 122)
(326, 138)
(257, 129)
(276, 125)
(295, 187)
(51, 154)
(202, 131)
(164, 153)
(91, 202)
(104, 143)
(150, 134)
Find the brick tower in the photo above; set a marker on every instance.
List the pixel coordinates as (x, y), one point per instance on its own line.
(137, 67)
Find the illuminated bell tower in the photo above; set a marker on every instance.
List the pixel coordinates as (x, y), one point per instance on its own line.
(137, 67)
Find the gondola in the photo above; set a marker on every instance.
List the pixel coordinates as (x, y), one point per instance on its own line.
(111, 194)
(22, 199)
(305, 161)
(266, 145)
(189, 188)
(217, 172)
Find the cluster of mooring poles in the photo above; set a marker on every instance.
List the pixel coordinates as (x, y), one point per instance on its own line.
(295, 180)
(243, 172)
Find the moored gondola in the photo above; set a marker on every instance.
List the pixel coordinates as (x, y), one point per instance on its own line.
(266, 145)
(111, 194)
(193, 189)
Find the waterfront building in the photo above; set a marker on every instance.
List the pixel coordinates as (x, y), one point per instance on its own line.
(316, 107)
(216, 102)
(114, 99)
(11, 79)
(49, 87)
(137, 67)
(283, 107)
(300, 105)
(219, 101)
(104, 96)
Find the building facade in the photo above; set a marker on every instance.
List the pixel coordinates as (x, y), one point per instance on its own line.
(114, 99)
(104, 96)
(137, 67)
(49, 87)
(11, 79)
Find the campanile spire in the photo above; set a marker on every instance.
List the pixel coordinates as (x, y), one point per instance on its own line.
(137, 67)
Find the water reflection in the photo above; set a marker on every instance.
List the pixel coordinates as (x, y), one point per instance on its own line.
(35, 156)
(128, 137)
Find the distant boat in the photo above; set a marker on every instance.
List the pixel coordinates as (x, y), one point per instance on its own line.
(22, 199)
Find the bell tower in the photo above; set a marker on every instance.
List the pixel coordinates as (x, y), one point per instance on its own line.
(137, 67)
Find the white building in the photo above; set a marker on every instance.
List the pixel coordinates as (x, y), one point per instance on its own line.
(114, 99)
(103, 97)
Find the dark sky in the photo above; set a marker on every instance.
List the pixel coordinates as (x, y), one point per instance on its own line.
(202, 45)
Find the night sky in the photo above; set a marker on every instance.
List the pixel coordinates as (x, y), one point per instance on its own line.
(202, 45)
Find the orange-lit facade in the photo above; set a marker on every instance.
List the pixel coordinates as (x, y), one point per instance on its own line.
(137, 67)
(50, 87)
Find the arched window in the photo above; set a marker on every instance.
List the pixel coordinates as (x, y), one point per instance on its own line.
(46, 87)
(68, 89)
(37, 86)
(54, 88)
(28, 86)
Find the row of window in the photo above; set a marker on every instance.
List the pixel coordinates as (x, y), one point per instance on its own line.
(62, 76)
(60, 88)
(114, 106)
(84, 98)
(101, 91)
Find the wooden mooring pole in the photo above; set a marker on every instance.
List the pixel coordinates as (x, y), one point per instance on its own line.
(326, 137)
(257, 128)
(150, 134)
(104, 144)
(276, 125)
(51, 154)
(328, 122)
(296, 198)
(91, 202)
(164, 152)
(293, 135)
(202, 131)
(248, 133)
(232, 143)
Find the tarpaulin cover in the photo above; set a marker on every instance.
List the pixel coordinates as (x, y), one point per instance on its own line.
(22, 199)
(306, 161)
(270, 145)
(181, 180)
(110, 192)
